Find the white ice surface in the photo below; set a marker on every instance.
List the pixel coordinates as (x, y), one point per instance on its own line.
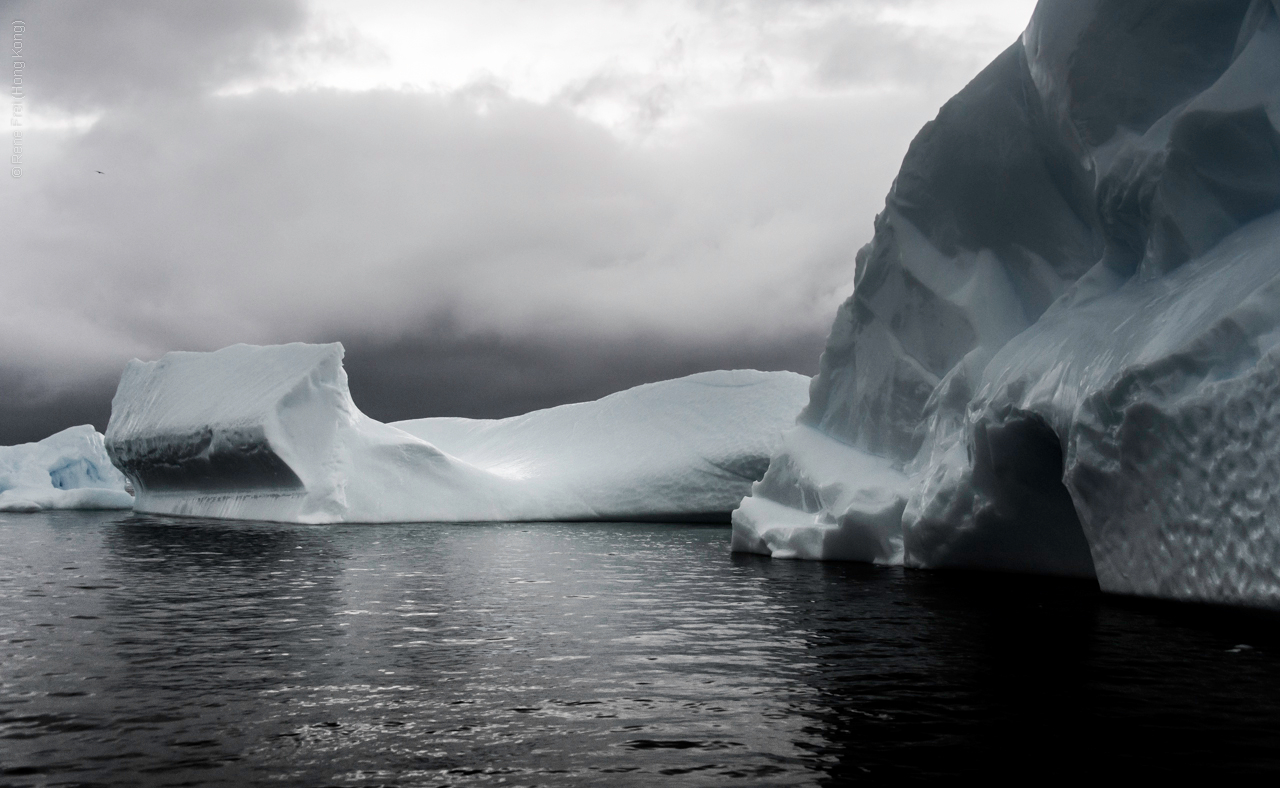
(68, 470)
(1062, 354)
(823, 499)
(271, 433)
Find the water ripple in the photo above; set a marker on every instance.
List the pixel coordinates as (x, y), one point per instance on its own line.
(138, 650)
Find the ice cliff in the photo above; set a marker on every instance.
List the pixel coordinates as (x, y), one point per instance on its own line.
(68, 470)
(272, 433)
(1062, 353)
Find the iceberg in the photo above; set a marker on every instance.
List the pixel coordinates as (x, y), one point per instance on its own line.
(271, 433)
(67, 470)
(1062, 352)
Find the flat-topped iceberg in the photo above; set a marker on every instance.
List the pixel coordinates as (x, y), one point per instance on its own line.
(67, 470)
(271, 433)
(1062, 353)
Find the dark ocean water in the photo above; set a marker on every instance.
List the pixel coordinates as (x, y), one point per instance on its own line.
(147, 651)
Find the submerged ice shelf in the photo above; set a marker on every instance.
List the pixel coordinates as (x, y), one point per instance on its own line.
(1062, 353)
(272, 433)
(67, 470)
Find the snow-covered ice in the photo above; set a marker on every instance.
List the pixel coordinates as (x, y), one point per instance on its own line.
(1062, 354)
(272, 433)
(68, 470)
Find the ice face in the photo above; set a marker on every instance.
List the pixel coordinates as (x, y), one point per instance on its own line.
(194, 421)
(271, 433)
(68, 470)
(1063, 335)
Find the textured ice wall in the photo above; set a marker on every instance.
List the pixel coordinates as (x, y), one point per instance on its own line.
(1062, 337)
(67, 470)
(271, 433)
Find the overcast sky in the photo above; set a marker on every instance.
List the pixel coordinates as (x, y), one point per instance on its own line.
(496, 205)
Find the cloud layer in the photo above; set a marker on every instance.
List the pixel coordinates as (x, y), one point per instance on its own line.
(479, 249)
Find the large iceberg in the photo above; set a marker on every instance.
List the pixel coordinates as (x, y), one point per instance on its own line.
(1062, 353)
(271, 433)
(67, 470)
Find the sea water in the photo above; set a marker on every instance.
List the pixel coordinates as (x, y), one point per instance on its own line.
(148, 651)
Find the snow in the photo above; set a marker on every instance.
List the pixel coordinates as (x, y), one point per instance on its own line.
(68, 470)
(271, 433)
(1062, 354)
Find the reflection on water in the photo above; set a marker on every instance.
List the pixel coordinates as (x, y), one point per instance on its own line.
(153, 651)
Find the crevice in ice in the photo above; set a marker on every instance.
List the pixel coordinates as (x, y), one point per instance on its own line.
(204, 461)
(67, 470)
(78, 472)
(1023, 517)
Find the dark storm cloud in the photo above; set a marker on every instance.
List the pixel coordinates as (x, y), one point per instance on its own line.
(30, 409)
(304, 215)
(494, 377)
(442, 374)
